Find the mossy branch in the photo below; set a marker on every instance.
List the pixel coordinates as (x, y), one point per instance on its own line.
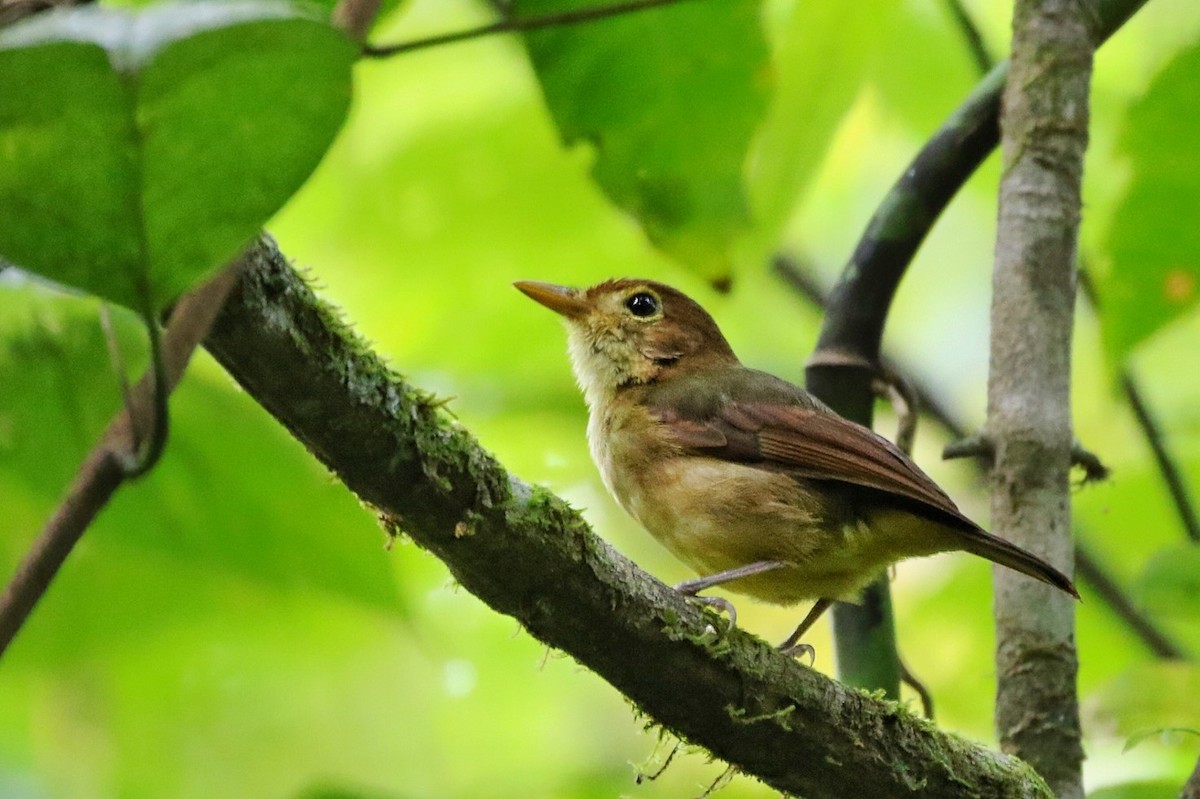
(527, 554)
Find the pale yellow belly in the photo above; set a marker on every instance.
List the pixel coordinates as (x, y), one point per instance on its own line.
(715, 515)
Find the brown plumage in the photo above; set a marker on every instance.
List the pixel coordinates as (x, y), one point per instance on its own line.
(735, 469)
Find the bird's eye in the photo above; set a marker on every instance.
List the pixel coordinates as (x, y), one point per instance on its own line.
(642, 304)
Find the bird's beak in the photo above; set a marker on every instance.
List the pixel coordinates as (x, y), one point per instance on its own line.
(567, 301)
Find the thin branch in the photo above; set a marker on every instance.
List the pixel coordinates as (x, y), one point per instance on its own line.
(527, 554)
(103, 471)
(1105, 586)
(148, 414)
(1044, 128)
(1171, 473)
(971, 36)
(900, 394)
(1176, 483)
(922, 692)
(518, 25)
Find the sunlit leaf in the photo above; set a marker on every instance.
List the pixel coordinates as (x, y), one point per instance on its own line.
(823, 50)
(669, 98)
(1155, 251)
(139, 150)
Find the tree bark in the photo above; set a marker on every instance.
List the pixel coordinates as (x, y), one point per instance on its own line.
(1043, 136)
(527, 554)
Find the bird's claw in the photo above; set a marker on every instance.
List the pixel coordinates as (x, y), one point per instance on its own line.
(719, 604)
(799, 651)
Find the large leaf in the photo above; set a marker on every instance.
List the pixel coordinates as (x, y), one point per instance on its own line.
(1154, 243)
(140, 150)
(823, 51)
(670, 99)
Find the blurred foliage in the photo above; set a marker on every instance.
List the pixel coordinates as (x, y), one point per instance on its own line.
(1155, 272)
(232, 624)
(669, 99)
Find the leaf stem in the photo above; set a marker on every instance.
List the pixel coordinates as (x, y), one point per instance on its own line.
(103, 471)
(517, 25)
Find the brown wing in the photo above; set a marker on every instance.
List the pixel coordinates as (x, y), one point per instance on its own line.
(754, 418)
(808, 441)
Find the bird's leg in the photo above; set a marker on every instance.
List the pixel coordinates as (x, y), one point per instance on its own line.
(690, 588)
(792, 646)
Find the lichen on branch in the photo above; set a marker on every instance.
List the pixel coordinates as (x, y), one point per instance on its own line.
(527, 554)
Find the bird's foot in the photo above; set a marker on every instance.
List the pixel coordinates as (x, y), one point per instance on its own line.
(792, 645)
(799, 651)
(719, 604)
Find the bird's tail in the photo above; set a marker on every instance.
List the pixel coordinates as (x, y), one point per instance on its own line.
(1008, 554)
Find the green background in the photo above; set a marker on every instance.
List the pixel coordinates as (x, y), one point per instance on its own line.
(233, 625)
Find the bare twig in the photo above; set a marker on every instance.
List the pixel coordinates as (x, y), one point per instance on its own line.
(518, 25)
(102, 472)
(910, 679)
(1094, 469)
(976, 445)
(901, 395)
(971, 36)
(1162, 456)
(1115, 598)
(1146, 420)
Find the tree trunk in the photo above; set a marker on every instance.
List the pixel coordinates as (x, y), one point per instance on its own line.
(1044, 136)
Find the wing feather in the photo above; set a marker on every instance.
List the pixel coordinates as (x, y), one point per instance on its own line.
(807, 440)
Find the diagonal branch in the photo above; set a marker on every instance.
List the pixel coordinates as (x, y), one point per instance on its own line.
(104, 469)
(527, 554)
(1172, 475)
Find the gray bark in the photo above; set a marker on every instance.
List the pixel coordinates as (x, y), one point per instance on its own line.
(1043, 136)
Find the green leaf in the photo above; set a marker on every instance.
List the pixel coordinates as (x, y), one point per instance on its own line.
(823, 51)
(1145, 735)
(140, 150)
(670, 99)
(1155, 275)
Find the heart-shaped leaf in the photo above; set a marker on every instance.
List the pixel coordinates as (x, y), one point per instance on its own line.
(140, 150)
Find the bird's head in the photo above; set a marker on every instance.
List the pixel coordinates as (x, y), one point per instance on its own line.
(629, 332)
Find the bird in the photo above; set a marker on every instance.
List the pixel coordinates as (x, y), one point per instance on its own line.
(748, 479)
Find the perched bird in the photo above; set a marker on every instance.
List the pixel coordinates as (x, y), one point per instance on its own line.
(748, 479)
